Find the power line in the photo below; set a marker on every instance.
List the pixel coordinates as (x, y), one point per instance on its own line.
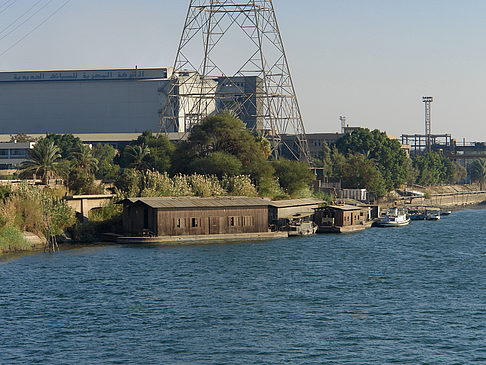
(20, 17)
(6, 5)
(26, 20)
(37, 27)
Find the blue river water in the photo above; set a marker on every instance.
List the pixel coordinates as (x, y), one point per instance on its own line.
(410, 295)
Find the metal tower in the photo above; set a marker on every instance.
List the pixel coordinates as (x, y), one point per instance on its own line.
(212, 72)
(428, 100)
(343, 124)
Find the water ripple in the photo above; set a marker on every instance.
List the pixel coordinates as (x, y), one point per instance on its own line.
(414, 295)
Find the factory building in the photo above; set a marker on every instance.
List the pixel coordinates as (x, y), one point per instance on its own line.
(82, 101)
(243, 95)
(112, 100)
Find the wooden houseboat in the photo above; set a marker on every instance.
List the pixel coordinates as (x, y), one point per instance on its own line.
(192, 218)
(342, 218)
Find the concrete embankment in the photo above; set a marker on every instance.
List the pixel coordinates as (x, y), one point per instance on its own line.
(450, 196)
(180, 240)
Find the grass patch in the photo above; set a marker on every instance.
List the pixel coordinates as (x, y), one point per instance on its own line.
(11, 239)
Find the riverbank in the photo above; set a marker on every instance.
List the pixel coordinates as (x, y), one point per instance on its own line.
(13, 240)
(451, 197)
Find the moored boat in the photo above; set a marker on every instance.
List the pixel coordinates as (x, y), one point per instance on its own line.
(433, 215)
(393, 218)
(416, 214)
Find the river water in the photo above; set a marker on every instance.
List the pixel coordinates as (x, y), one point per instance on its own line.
(410, 295)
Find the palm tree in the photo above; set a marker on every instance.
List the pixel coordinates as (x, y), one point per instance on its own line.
(477, 170)
(84, 159)
(43, 159)
(137, 156)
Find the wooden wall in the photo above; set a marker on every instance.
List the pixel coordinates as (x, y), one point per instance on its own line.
(205, 221)
(137, 218)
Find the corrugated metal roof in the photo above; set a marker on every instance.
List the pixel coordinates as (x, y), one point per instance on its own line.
(345, 207)
(197, 202)
(295, 202)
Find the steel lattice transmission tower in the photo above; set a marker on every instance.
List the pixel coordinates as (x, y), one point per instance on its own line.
(428, 100)
(257, 84)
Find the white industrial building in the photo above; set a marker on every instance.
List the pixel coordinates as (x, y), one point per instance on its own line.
(12, 154)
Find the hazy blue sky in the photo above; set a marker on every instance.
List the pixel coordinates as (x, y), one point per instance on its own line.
(370, 60)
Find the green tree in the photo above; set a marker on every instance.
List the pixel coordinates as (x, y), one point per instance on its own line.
(160, 150)
(460, 172)
(294, 176)
(80, 181)
(227, 134)
(217, 163)
(326, 160)
(137, 157)
(128, 182)
(361, 173)
(66, 143)
(434, 168)
(84, 160)
(338, 163)
(477, 171)
(386, 153)
(105, 154)
(44, 160)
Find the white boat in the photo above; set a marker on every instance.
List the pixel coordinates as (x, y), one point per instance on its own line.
(393, 218)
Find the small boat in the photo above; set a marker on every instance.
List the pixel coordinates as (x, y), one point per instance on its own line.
(301, 229)
(300, 224)
(445, 212)
(393, 218)
(433, 215)
(416, 214)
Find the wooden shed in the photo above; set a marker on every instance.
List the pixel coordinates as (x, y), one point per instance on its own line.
(179, 216)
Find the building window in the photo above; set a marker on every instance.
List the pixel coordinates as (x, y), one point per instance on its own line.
(17, 153)
(179, 222)
(232, 221)
(248, 221)
(194, 223)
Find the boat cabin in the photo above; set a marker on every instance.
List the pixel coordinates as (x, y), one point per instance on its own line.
(338, 218)
(282, 212)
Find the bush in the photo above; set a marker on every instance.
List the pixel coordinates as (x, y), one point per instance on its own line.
(239, 185)
(11, 239)
(294, 176)
(152, 183)
(110, 211)
(28, 208)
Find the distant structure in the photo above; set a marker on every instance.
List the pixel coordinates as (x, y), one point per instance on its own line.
(420, 143)
(428, 100)
(343, 124)
(259, 89)
(114, 100)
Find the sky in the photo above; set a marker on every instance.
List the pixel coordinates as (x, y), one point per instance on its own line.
(368, 60)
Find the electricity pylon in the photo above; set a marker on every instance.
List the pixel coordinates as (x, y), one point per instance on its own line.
(210, 60)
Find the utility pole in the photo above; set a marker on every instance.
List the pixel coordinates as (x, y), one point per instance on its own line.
(428, 100)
